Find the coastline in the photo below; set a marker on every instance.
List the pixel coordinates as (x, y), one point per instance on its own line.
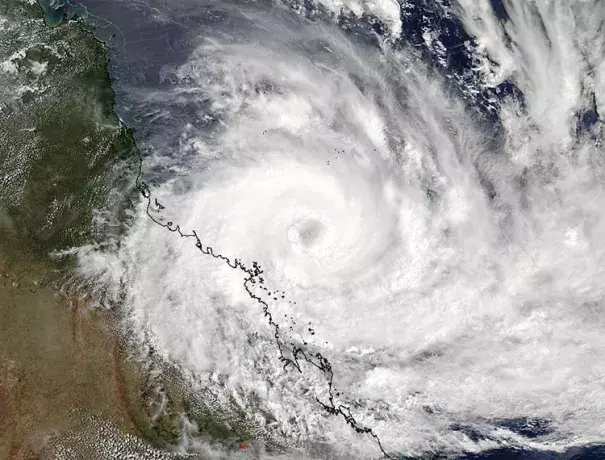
(62, 358)
(58, 352)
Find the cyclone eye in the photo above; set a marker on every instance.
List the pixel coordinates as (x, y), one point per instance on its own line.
(306, 233)
(310, 231)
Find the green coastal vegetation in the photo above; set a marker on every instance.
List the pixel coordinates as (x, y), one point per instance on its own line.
(62, 143)
(67, 178)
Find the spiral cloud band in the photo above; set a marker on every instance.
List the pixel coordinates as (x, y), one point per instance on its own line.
(447, 261)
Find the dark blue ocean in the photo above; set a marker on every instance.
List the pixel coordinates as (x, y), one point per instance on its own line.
(146, 37)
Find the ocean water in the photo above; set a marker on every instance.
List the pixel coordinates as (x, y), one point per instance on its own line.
(375, 227)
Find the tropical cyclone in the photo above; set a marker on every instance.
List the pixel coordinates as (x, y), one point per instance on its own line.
(449, 269)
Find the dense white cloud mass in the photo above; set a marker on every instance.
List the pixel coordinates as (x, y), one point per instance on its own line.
(386, 11)
(450, 269)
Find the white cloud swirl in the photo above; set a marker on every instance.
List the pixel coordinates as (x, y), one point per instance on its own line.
(448, 277)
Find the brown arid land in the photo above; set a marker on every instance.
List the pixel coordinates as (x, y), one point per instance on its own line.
(57, 356)
(70, 385)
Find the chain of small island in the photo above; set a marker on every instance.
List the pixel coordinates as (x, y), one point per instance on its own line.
(253, 276)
